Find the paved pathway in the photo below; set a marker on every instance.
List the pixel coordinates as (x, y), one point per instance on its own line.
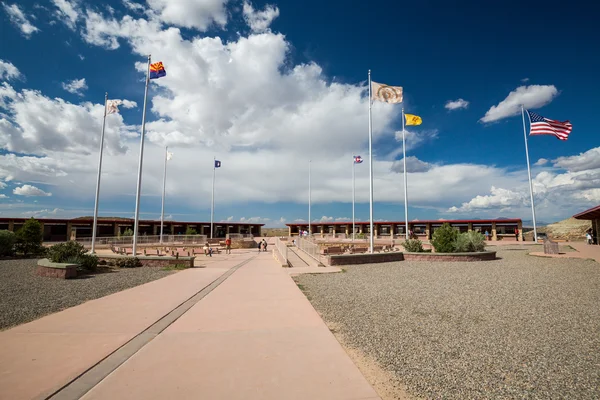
(255, 336)
(583, 251)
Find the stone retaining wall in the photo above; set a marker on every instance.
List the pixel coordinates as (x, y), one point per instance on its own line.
(152, 261)
(56, 270)
(481, 256)
(352, 259)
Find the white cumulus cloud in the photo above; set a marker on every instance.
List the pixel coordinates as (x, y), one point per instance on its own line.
(531, 97)
(199, 14)
(76, 86)
(541, 162)
(8, 71)
(67, 11)
(498, 198)
(29, 190)
(19, 19)
(259, 21)
(413, 164)
(456, 104)
(582, 162)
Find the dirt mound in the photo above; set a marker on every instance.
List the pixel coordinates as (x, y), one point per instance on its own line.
(568, 229)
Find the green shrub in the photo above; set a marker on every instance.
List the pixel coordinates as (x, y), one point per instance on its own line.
(29, 238)
(73, 252)
(7, 243)
(60, 253)
(127, 232)
(444, 239)
(360, 235)
(413, 246)
(129, 262)
(470, 242)
(191, 231)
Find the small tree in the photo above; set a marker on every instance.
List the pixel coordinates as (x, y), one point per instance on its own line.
(190, 231)
(7, 243)
(29, 238)
(127, 232)
(444, 239)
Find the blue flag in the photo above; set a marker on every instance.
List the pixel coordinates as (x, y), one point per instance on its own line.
(217, 164)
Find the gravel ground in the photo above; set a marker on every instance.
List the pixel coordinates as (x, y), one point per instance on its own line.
(25, 296)
(517, 327)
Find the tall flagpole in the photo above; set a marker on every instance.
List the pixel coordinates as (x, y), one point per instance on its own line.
(309, 199)
(212, 207)
(405, 180)
(370, 169)
(139, 180)
(353, 195)
(162, 208)
(529, 174)
(95, 227)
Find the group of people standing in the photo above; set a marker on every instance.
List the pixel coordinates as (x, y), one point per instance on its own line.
(262, 245)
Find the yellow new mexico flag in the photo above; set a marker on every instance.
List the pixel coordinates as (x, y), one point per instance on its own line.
(413, 119)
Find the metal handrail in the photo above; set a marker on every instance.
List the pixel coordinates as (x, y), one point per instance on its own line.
(148, 239)
(309, 248)
(282, 249)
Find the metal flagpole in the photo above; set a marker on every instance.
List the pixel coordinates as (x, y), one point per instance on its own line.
(353, 194)
(95, 227)
(212, 207)
(139, 180)
(405, 180)
(370, 169)
(309, 198)
(529, 174)
(162, 208)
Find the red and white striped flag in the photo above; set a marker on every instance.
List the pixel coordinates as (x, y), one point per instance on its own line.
(544, 126)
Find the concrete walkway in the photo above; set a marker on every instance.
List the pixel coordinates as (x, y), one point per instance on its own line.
(255, 336)
(584, 251)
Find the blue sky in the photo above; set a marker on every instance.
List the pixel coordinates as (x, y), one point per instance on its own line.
(266, 86)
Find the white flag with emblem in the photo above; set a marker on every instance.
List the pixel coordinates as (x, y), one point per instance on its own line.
(169, 155)
(386, 93)
(112, 106)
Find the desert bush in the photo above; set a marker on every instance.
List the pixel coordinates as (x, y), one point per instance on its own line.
(128, 262)
(72, 252)
(29, 238)
(360, 236)
(444, 239)
(413, 246)
(60, 253)
(191, 231)
(470, 242)
(127, 232)
(7, 243)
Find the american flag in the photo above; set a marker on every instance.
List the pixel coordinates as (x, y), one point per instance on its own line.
(358, 159)
(545, 126)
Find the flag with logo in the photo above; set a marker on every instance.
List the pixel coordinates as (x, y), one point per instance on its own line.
(544, 126)
(112, 106)
(157, 70)
(358, 159)
(413, 119)
(217, 164)
(386, 93)
(169, 155)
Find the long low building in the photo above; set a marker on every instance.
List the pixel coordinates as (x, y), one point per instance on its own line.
(498, 229)
(59, 230)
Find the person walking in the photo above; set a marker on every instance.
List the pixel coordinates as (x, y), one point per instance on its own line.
(259, 245)
(264, 245)
(588, 237)
(517, 234)
(228, 246)
(487, 235)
